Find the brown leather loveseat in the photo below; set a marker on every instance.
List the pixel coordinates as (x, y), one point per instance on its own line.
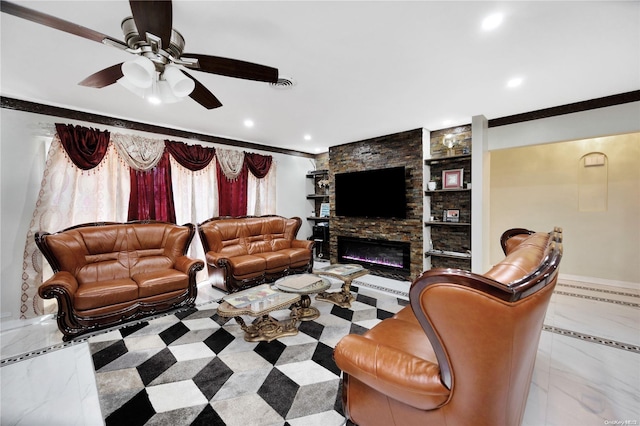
(463, 352)
(109, 273)
(247, 251)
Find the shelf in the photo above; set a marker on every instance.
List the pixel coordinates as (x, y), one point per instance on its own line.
(315, 173)
(445, 159)
(439, 223)
(448, 254)
(317, 196)
(439, 191)
(326, 219)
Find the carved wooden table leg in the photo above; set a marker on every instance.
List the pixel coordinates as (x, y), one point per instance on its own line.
(303, 310)
(342, 298)
(266, 328)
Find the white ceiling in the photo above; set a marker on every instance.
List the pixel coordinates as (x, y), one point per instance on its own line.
(362, 69)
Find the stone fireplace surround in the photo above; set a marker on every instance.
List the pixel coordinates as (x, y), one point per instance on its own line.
(399, 149)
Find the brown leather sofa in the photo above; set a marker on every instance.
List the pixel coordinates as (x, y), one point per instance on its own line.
(463, 352)
(247, 251)
(108, 273)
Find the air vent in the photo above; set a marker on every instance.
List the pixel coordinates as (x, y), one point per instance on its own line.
(284, 83)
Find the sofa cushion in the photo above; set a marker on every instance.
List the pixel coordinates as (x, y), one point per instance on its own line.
(105, 293)
(160, 281)
(397, 359)
(248, 264)
(297, 256)
(143, 261)
(275, 260)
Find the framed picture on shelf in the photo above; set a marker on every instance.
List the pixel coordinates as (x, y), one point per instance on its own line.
(452, 179)
(452, 215)
(324, 210)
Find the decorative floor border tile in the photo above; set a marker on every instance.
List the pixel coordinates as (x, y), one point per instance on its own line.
(599, 290)
(391, 291)
(592, 339)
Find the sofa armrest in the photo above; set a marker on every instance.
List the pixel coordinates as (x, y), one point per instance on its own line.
(61, 283)
(218, 260)
(395, 373)
(188, 265)
(306, 244)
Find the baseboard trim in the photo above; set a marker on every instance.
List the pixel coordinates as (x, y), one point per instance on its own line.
(600, 281)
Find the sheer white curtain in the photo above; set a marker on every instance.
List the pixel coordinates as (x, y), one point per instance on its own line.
(195, 196)
(261, 193)
(70, 196)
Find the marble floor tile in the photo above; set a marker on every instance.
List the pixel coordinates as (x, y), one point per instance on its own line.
(58, 386)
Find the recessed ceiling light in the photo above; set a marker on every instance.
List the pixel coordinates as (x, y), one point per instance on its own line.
(514, 82)
(307, 137)
(248, 123)
(492, 22)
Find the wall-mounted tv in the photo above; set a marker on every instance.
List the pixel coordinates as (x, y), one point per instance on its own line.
(372, 193)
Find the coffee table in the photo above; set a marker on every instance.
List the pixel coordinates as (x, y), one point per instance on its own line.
(304, 285)
(259, 302)
(345, 273)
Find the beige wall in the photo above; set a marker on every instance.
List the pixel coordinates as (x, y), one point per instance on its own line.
(537, 187)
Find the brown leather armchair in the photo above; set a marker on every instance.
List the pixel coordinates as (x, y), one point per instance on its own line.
(463, 352)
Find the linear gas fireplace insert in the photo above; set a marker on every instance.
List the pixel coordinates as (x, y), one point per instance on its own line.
(382, 257)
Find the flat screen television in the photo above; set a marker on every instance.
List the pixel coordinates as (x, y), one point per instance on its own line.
(380, 193)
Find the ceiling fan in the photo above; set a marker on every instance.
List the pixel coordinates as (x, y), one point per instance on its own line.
(158, 66)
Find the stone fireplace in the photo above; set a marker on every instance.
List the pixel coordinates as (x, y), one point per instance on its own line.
(399, 149)
(387, 258)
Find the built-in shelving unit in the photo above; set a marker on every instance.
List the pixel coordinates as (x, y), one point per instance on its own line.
(320, 228)
(450, 241)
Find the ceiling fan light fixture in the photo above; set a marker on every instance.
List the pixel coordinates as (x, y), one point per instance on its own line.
(180, 84)
(139, 71)
(166, 94)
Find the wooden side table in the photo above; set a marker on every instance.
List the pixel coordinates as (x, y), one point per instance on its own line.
(345, 273)
(259, 302)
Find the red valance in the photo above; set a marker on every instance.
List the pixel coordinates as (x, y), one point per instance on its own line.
(259, 165)
(192, 157)
(85, 147)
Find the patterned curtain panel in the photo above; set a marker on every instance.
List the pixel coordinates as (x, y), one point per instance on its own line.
(152, 194)
(86, 147)
(69, 196)
(261, 193)
(195, 196)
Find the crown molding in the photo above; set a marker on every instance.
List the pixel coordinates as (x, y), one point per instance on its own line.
(37, 108)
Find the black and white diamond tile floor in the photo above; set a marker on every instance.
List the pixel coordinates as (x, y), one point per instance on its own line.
(194, 367)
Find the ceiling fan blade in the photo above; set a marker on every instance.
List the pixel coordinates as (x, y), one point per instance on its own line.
(58, 24)
(103, 78)
(232, 68)
(202, 95)
(153, 17)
